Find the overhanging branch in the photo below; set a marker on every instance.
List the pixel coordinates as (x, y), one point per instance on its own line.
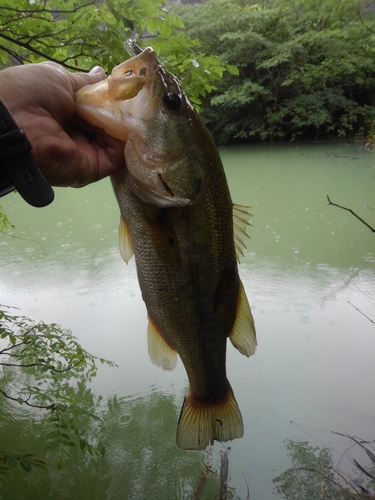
(41, 54)
(24, 401)
(49, 11)
(351, 211)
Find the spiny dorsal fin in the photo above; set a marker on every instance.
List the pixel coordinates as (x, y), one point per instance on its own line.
(241, 216)
(243, 335)
(125, 241)
(201, 422)
(159, 351)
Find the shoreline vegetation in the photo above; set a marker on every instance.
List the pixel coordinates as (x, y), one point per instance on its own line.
(306, 68)
(256, 69)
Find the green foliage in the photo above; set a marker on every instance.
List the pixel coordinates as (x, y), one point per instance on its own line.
(4, 221)
(46, 369)
(9, 461)
(306, 67)
(80, 34)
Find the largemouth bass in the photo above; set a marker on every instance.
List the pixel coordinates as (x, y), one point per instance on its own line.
(177, 220)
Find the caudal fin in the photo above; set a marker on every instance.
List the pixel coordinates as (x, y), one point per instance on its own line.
(200, 424)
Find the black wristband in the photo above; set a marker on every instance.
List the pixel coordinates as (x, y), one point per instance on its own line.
(17, 167)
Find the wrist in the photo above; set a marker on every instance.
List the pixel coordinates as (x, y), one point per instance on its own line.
(17, 167)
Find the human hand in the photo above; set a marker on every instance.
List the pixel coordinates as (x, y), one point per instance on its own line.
(69, 152)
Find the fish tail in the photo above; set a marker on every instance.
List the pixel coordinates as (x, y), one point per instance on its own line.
(202, 423)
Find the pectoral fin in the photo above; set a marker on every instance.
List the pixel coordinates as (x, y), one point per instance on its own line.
(241, 216)
(159, 351)
(243, 335)
(125, 241)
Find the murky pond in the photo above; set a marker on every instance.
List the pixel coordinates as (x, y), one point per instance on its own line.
(309, 273)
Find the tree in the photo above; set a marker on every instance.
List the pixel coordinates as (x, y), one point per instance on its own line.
(79, 34)
(307, 68)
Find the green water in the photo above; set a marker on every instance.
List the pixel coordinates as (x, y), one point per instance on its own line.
(307, 267)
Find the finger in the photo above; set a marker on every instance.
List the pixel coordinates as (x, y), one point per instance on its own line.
(79, 80)
(98, 160)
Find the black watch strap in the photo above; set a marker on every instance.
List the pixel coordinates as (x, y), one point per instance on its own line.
(17, 167)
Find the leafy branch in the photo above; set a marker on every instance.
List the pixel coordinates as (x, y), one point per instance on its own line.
(9, 461)
(86, 33)
(41, 54)
(47, 370)
(45, 9)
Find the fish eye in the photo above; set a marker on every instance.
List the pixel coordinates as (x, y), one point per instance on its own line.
(173, 101)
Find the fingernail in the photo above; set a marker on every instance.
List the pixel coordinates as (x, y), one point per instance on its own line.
(97, 70)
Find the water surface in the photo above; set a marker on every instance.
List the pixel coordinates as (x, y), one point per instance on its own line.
(308, 267)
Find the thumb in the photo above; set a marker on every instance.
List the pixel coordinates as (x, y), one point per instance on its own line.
(96, 74)
(81, 79)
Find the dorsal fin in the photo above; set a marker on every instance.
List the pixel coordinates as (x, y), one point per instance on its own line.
(125, 241)
(243, 335)
(159, 351)
(241, 216)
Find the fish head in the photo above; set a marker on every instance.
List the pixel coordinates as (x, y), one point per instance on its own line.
(145, 105)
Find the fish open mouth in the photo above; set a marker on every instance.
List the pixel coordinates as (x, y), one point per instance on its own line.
(129, 77)
(139, 105)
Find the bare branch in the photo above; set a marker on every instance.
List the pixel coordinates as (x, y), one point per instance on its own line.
(351, 211)
(363, 314)
(345, 156)
(366, 472)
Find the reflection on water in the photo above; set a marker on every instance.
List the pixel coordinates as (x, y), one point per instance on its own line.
(307, 267)
(142, 460)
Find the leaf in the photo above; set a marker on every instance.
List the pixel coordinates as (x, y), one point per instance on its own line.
(25, 464)
(52, 435)
(69, 443)
(102, 448)
(233, 69)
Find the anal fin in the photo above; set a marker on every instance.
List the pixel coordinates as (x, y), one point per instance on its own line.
(202, 423)
(159, 351)
(243, 335)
